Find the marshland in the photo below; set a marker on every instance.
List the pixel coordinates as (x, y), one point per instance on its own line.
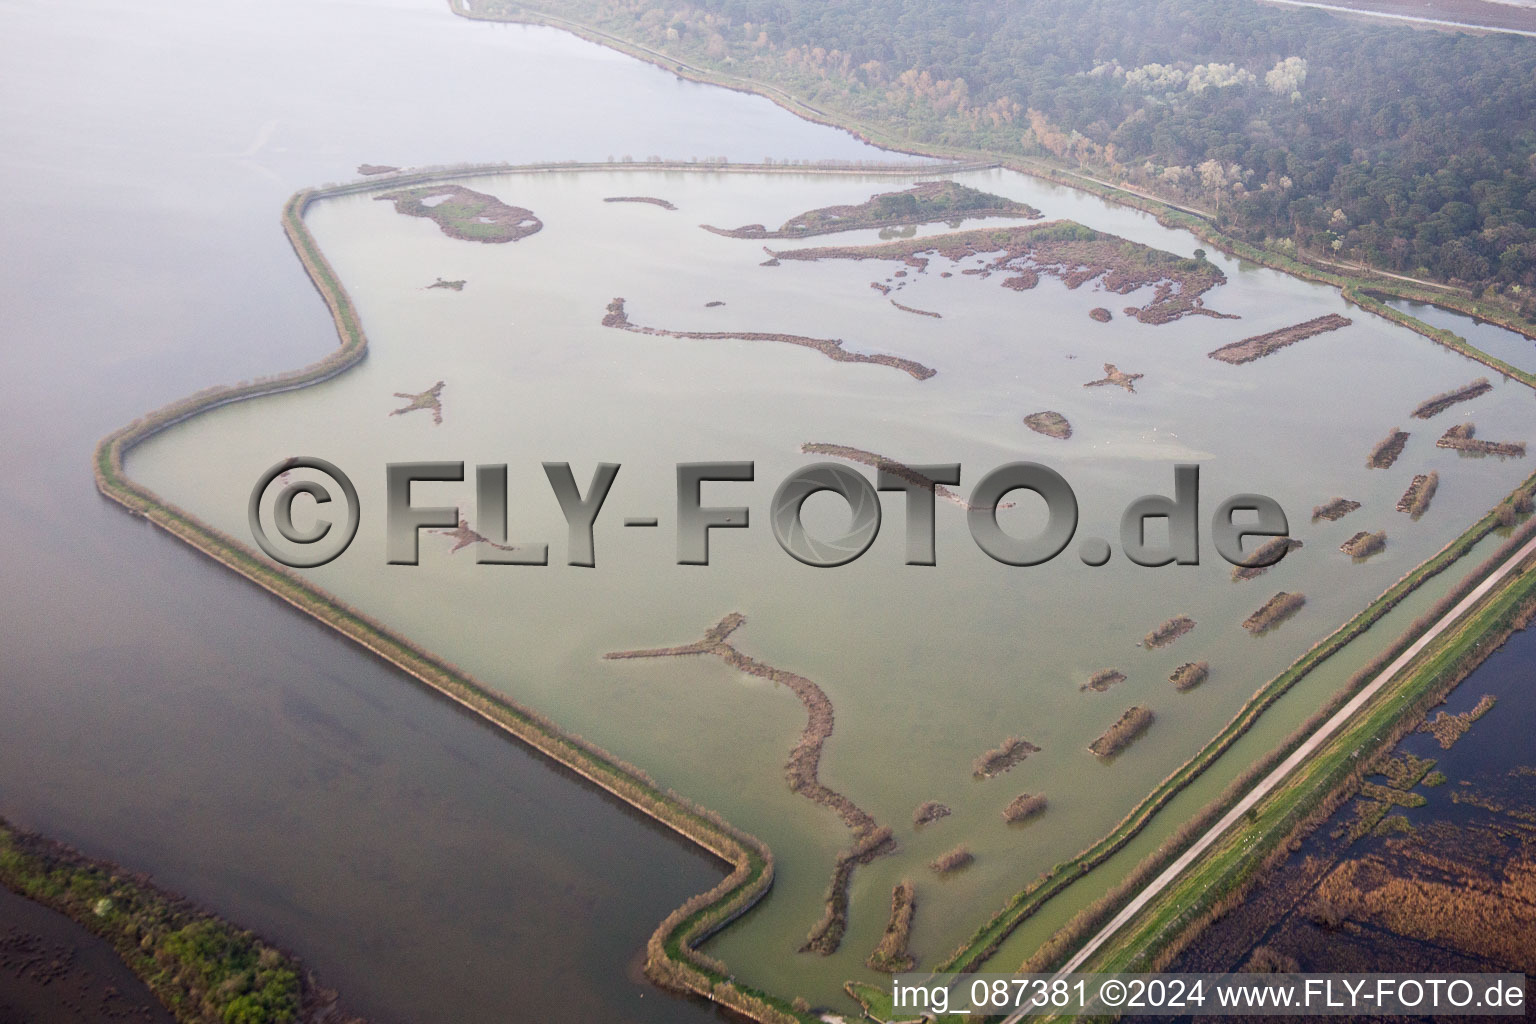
(935, 677)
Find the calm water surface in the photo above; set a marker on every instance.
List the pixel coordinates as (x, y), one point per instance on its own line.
(926, 667)
(154, 710)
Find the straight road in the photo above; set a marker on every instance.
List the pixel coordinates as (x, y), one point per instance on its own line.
(1289, 765)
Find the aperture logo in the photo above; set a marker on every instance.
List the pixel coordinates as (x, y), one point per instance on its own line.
(336, 513)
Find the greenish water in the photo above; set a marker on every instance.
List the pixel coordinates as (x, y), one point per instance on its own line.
(926, 667)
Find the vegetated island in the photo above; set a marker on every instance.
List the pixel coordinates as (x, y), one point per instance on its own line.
(1364, 544)
(1131, 724)
(1102, 680)
(1447, 728)
(369, 170)
(900, 469)
(652, 200)
(871, 839)
(202, 968)
(1462, 438)
(1170, 631)
(1334, 510)
(428, 399)
(1443, 401)
(463, 537)
(923, 203)
(1275, 611)
(891, 956)
(1415, 500)
(1190, 675)
(1049, 423)
(919, 312)
(464, 213)
(928, 812)
(1261, 345)
(1387, 450)
(952, 861)
(1114, 375)
(1024, 807)
(1265, 555)
(1100, 314)
(1002, 757)
(1062, 249)
(832, 348)
(455, 286)
(713, 303)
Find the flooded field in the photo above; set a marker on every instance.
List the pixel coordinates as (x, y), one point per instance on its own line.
(925, 667)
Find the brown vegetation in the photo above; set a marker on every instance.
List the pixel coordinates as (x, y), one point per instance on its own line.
(928, 812)
(1100, 314)
(1168, 632)
(1265, 555)
(832, 348)
(1131, 724)
(1049, 423)
(463, 537)
(871, 840)
(1061, 249)
(1275, 611)
(1462, 439)
(640, 199)
(1002, 757)
(1113, 375)
(1261, 345)
(1024, 807)
(1190, 675)
(1421, 491)
(952, 861)
(1444, 895)
(886, 465)
(464, 213)
(914, 309)
(1364, 544)
(1447, 728)
(1103, 679)
(923, 203)
(428, 399)
(1387, 450)
(891, 956)
(1335, 510)
(369, 170)
(1443, 401)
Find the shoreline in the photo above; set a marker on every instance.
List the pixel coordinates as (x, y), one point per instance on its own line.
(672, 959)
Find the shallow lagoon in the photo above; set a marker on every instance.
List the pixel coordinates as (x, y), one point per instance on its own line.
(926, 667)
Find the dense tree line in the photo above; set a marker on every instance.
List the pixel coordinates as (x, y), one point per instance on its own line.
(1408, 149)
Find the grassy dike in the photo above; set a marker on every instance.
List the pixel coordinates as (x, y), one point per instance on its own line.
(1318, 785)
(1361, 289)
(975, 952)
(672, 957)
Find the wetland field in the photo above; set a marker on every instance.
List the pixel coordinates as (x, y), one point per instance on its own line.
(919, 669)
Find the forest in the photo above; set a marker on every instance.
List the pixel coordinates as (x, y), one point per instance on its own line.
(1412, 151)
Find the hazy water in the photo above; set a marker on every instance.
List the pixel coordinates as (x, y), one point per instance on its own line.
(158, 711)
(926, 667)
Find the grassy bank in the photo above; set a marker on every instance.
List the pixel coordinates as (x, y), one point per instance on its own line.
(203, 969)
(672, 957)
(1317, 786)
(973, 953)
